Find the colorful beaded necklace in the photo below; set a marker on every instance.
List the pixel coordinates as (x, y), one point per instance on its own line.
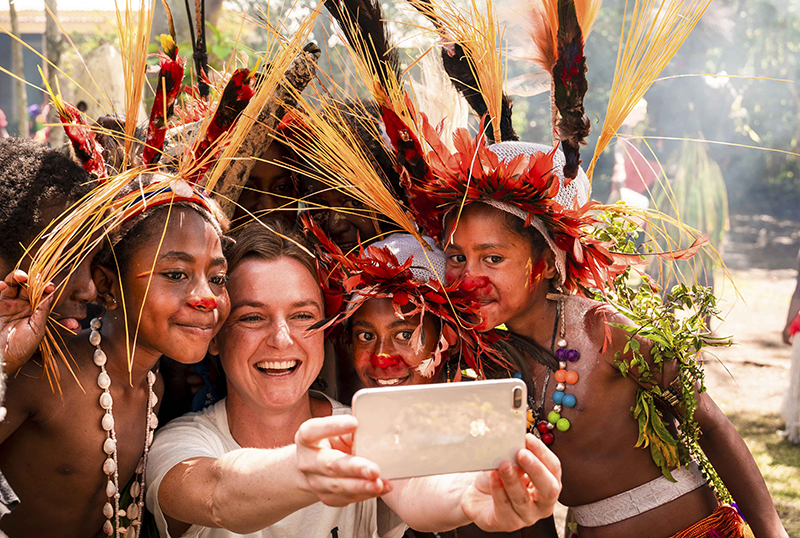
(564, 377)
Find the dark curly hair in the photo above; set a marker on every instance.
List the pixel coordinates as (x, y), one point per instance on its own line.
(31, 175)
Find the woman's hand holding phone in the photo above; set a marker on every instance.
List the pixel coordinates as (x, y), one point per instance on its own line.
(324, 456)
(502, 500)
(514, 497)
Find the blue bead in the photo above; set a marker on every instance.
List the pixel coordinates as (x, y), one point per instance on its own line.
(518, 375)
(558, 397)
(569, 400)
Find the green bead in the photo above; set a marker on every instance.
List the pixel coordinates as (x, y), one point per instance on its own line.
(553, 417)
(562, 424)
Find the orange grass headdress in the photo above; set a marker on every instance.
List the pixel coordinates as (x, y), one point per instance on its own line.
(189, 173)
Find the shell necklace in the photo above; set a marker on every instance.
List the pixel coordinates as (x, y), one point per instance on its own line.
(135, 510)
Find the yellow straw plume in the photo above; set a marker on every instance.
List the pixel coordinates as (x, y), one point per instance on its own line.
(279, 56)
(337, 158)
(658, 29)
(479, 34)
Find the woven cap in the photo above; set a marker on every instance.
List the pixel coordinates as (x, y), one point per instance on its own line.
(578, 188)
(426, 264)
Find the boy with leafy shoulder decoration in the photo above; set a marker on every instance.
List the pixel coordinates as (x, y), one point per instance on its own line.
(523, 233)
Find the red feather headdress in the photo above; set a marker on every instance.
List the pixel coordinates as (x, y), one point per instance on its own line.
(440, 182)
(349, 280)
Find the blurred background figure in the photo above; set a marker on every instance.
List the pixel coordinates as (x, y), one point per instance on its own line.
(3, 124)
(791, 402)
(632, 174)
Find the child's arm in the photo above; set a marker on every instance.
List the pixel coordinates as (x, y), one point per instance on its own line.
(732, 460)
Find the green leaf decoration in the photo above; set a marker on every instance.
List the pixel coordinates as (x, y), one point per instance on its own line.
(675, 325)
(653, 433)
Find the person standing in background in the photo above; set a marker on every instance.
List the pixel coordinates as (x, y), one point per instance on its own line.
(3, 124)
(791, 402)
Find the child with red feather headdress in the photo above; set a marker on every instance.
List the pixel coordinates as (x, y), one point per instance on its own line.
(154, 237)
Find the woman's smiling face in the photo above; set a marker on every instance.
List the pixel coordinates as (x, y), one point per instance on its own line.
(269, 360)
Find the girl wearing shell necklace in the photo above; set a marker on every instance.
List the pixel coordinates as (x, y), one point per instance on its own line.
(162, 271)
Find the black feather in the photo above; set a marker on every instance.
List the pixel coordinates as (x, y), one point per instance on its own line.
(461, 72)
(362, 22)
(569, 77)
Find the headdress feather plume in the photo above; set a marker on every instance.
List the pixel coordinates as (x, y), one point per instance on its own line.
(569, 87)
(558, 30)
(334, 155)
(543, 31)
(365, 29)
(134, 40)
(473, 58)
(83, 140)
(170, 77)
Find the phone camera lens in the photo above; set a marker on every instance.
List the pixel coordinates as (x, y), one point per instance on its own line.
(517, 395)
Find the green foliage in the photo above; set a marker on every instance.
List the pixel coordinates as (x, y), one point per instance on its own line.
(677, 329)
(696, 195)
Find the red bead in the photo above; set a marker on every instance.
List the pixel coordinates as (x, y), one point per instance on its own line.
(547, 438)
(542, 427)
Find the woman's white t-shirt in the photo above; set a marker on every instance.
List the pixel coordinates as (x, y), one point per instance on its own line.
(206, 434)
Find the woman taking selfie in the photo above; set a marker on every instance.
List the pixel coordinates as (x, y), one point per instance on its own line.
(273, 458)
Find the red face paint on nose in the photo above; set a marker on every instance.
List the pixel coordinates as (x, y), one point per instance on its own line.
(478, 284)
(203, 303)
(383, 360)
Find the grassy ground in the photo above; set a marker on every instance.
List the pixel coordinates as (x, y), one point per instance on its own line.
(750, 379)
(778, 460)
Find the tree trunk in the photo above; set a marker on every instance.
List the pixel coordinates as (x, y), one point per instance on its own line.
(52, 51)
(18, 68)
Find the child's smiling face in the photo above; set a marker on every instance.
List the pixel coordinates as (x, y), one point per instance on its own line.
(184, 295)
(382, 351)
(509, 276)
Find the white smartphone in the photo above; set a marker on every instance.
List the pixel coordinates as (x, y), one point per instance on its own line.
(442, 428)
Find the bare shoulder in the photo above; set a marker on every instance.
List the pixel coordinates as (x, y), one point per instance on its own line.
(602, 323)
